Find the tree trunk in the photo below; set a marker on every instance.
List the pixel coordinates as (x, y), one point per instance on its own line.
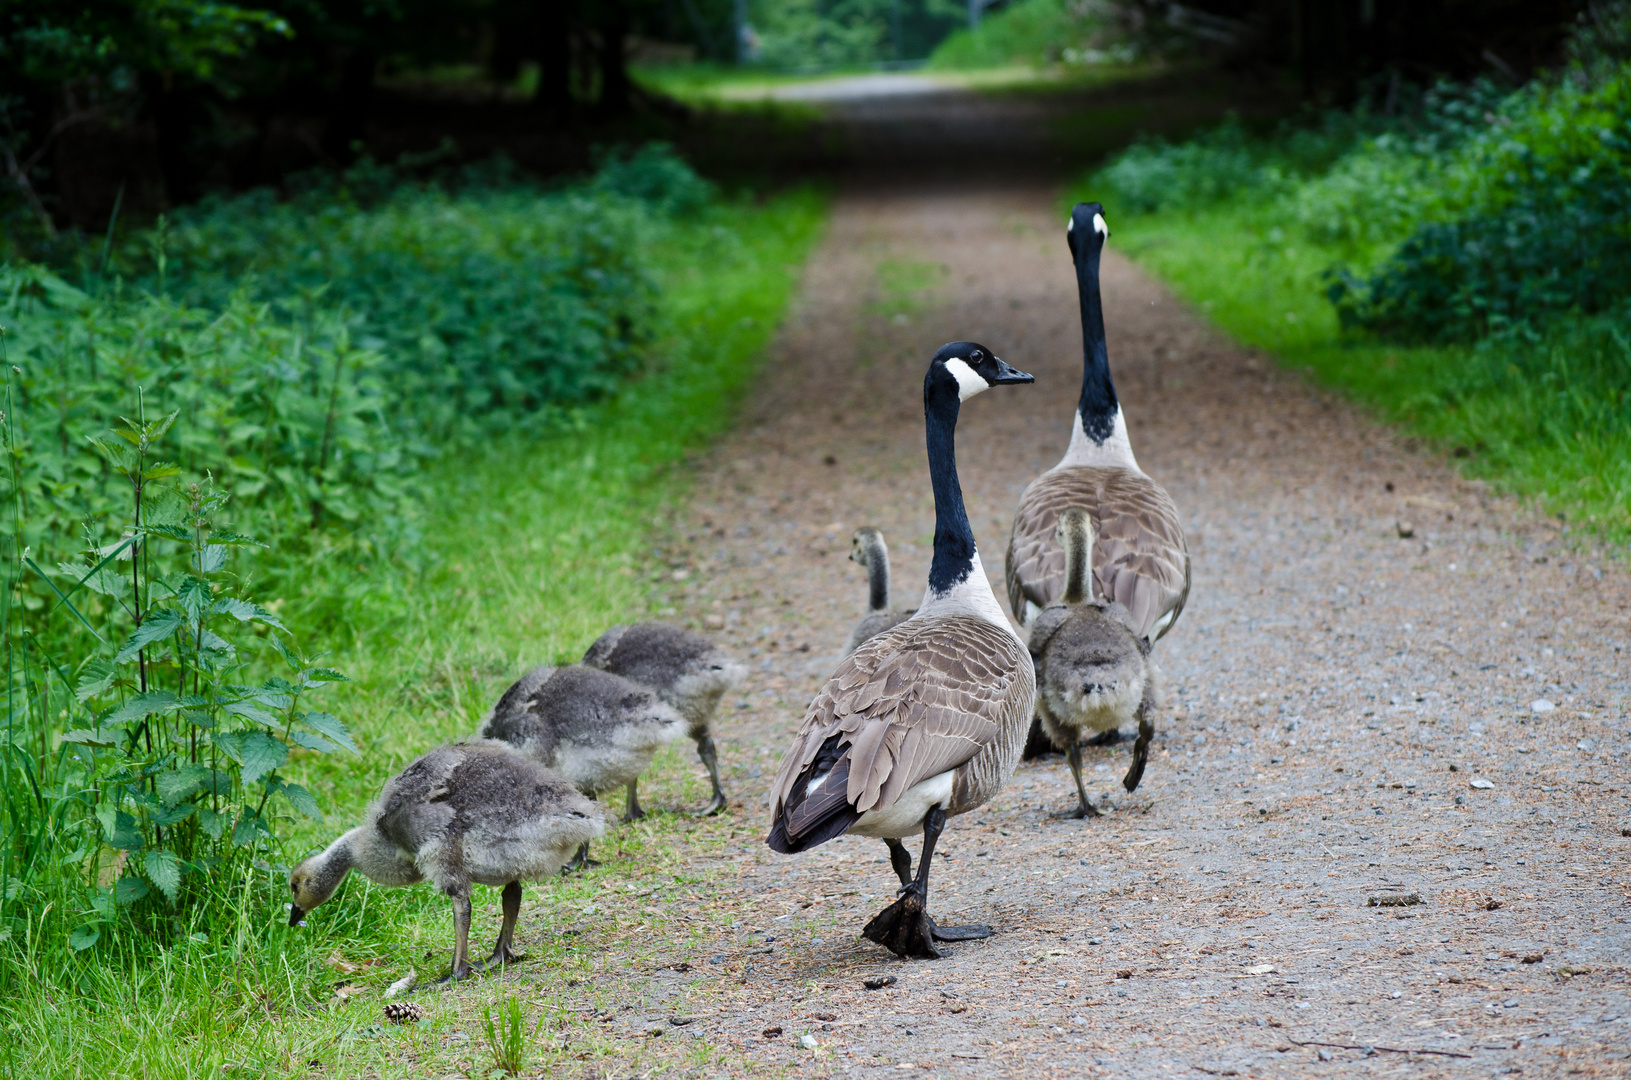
(614, 65)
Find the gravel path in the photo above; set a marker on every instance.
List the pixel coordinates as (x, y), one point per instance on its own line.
(1353, 715)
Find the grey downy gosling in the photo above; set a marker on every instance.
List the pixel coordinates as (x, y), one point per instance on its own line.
(686, 670)
(471, 813)
(598, 730)
(867, 548)
(1094, 671)
(926, 720)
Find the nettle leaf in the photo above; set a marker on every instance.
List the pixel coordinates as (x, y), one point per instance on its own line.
(105, 581)
(83, 937)
(212, 558)
(210, 641)
(234, 538)
(176, 784)
(170, 532)
(94, 678)
(301, 800)
(312, 742)
(154, 701)
(261, 753)
(170, 817)
(163, 505)
(129, 889)
(250, 711)
(104, 737)
(118, 828)
(212, 823)
(117, 455)
(323, 676)
(159, 624)
(267, 617)
(242, 610)
(195, 597)
(164, 870)
(329, 727)
(250, 826)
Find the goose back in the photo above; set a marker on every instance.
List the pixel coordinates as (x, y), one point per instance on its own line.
(1140, 557)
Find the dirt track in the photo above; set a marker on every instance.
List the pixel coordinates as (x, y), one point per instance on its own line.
(1335, 690)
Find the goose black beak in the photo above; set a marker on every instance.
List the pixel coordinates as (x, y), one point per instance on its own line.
(295, 915)
(1006, 375)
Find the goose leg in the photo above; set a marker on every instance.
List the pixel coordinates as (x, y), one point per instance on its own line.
(502, 953)
(904, 927)
(710, 758)
(632, 811)
(461, 938)
(1141, 753)
(1084, 806)
(900, 859)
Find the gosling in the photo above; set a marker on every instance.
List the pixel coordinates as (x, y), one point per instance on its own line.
(475, 812)
(867, 548)
(598, 730)
(1094, 672)
(687, 670)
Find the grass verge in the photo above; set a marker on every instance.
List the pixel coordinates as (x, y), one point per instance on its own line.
(535, 546)
(1532, 416)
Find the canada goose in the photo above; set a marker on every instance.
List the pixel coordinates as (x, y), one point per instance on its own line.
(867, 548)
(1093, 671)
(686, 670)
(1141, 560)
(598, 730)
(475, 812)
(926, 719)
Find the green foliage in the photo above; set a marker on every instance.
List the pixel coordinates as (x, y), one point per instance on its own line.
(1037, 33)
(805, 34)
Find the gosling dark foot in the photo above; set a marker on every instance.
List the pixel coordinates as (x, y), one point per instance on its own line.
(905, 929)
(971, 932)
(1078, 812)
(454, 976)
(580, 862)
(1106, 738)
(1141, 756)
(634, 815)
(716, 805)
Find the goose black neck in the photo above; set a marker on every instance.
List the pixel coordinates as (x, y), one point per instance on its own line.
(1098, 403)
(953, 537)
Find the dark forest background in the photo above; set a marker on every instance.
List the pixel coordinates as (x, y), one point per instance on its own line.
(145, 104)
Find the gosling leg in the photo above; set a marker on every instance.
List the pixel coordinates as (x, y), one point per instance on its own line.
(900, 859)
(502, 952)
(1141, 753)
(1084, 805)
(632, 811)
(710, 758)
(461, 937)
(580, 861)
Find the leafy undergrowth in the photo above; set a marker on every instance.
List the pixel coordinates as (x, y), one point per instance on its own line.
(534, 544)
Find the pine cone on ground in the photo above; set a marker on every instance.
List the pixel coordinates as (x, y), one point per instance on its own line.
(403, 1012)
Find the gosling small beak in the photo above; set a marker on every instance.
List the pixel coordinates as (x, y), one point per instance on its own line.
(295, 914)
(1006, 374)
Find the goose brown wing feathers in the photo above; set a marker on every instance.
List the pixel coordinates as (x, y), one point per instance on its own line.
(918, 700)
(1140, 559)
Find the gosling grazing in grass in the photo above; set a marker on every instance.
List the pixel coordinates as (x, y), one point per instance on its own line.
(924, 720)
(686, 670)
(476, 812)
(867, 548)
(598, 730)
(1094, 671)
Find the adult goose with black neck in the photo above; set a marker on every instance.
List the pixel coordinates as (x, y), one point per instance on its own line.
(925, 720)
(1140, 559)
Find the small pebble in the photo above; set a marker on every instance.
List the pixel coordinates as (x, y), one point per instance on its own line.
(1480, 783)
(808, 1042)
(1406, 530)
(1541, 705)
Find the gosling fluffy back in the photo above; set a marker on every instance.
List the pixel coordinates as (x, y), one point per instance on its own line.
(686, 670)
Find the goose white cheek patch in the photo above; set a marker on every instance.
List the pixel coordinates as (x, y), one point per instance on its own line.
(969, 382)
(1099, 226)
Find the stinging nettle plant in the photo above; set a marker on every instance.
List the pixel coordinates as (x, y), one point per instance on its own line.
(179, 763)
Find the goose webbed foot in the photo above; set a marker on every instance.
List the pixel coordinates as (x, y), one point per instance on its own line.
(1141, 755)
(710, 758)
(458, 974)
(502, 955)
(904, 928)
(971, 932)
(1084, 805)
(1083, 809)
(580, 861)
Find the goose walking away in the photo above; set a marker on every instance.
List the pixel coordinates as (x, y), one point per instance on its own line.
(686, 670)
(868, 549)
(1140, 559)
(925, 720)
(472, 813)
(1093, 672)
(598, 730)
